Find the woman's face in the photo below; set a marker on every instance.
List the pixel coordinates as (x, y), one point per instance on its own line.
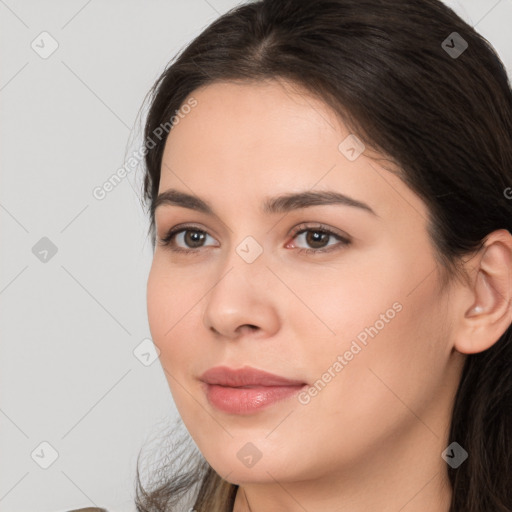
(362, 327)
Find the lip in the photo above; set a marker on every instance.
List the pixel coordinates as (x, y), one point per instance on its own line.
(246, 376)
(246, 390)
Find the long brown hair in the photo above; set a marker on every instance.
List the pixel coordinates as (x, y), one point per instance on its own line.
(409, 88)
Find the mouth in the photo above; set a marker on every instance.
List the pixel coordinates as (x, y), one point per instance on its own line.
(249, 399)
(247, 390)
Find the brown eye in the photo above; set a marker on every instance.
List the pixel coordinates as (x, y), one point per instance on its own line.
(190, 237)
(318, 237)
(193, 239)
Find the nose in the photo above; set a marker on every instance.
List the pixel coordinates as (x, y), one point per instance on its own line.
(243, 300)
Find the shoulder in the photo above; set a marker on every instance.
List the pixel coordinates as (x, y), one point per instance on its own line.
(88, 509)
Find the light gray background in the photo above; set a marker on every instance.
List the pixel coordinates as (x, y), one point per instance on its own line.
(69, 376)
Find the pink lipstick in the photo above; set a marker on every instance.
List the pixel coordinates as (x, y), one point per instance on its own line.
(246, 390)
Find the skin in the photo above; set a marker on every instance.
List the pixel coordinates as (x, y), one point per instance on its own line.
(372, 438)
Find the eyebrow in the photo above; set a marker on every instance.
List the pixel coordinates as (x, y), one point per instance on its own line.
(273, 205)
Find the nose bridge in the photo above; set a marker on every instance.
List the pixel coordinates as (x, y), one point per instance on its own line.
(241, 295)
(244, 266)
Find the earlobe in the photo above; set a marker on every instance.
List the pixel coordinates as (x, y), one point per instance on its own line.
(490, 313)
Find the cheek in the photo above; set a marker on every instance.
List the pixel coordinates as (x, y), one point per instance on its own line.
(355, 299)
(380, 392)
(388, 289)
(392, 367)
(167, 305)
(387, 317)
(170, 316)
(158, 298)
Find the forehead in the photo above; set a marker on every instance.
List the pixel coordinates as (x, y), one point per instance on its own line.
(232, 119)
(247, 139)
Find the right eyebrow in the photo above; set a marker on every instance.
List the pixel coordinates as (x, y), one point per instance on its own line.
(273, 205)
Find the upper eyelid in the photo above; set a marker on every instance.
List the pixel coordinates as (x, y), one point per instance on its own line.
(301, 226)
(296, 231)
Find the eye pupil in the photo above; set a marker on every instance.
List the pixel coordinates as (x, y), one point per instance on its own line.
(193, 237)
(315, 237)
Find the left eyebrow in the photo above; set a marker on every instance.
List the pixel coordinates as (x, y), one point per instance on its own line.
(273, 205)
(289, 202)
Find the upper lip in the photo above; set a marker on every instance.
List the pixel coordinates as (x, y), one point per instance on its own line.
(247, 376)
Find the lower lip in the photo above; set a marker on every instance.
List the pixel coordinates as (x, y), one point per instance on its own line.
(248, 400)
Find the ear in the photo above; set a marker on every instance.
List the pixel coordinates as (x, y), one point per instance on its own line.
(486, 311)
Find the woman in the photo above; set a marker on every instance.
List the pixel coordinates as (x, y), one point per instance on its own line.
(329, 189)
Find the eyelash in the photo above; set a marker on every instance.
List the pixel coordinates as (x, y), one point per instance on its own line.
(299, 230)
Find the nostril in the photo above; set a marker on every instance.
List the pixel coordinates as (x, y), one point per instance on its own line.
(249, 326)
